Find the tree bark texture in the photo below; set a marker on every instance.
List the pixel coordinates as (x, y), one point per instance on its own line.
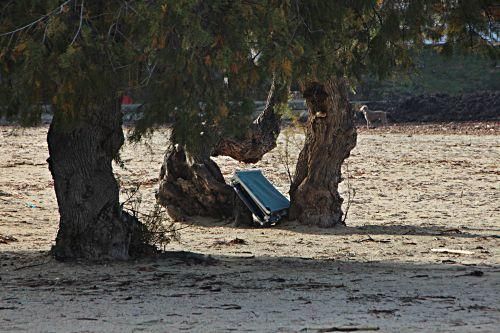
(241, 214)
(261, 136)
(330, 137)
(92, 224)
(192, 184)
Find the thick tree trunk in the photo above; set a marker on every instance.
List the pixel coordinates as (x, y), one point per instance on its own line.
(261, 136)
(92, 224)
(330, 137)
(192, 184)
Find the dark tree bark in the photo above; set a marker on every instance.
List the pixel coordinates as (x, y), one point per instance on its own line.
(192, 184)
(92, 224)
(242, 215)
(261, 136)
(330, 137)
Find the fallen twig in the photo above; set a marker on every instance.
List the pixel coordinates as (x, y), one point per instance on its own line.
(370, 239)
(347, 329)
(32, 265)
(453, 230)
(383, 311)
(444, 250)
(236, 241)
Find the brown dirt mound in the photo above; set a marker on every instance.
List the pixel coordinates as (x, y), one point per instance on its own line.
(477, 106)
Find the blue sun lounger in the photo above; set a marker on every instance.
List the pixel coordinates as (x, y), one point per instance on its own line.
(265, 202)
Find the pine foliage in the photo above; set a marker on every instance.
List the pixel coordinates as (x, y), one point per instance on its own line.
(200, 62)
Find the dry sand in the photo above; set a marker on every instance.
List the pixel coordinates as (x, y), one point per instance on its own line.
(415, 192)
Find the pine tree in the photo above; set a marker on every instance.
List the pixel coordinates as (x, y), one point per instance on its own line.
(75, 56)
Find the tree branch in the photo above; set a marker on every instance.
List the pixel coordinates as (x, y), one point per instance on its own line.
(43, 17)
(80, 25)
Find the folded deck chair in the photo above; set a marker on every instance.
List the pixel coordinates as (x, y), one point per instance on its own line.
(265, 202)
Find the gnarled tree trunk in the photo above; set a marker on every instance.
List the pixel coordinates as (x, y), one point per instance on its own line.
(192, 184)
(92, 224)
(261, 136)
(330, 137)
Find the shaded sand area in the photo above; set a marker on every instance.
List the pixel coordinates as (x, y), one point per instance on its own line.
(420, 253)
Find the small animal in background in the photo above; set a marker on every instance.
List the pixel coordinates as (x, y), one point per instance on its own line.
(373, 115)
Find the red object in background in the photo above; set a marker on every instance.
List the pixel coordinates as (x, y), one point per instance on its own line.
(126, 99)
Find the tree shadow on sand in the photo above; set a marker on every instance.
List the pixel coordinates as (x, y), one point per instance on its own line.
(367, 229)
(395, 230)
(176, 287)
